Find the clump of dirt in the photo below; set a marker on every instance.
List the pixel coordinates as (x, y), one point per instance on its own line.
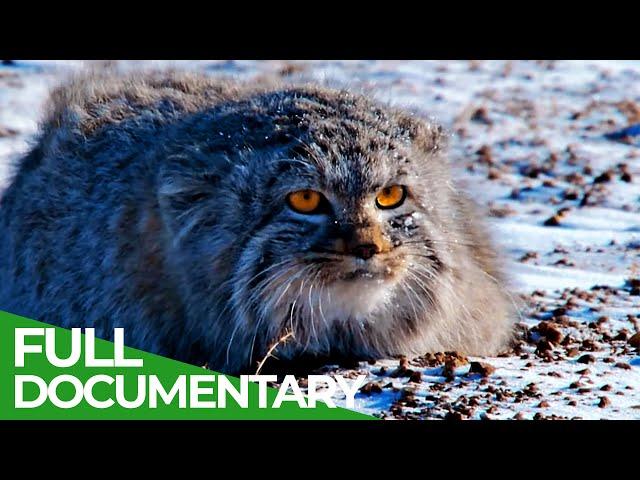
(481, 115)
(482, 368)
(555, 220)
(7, 132)
(549, 331)
(371, 388)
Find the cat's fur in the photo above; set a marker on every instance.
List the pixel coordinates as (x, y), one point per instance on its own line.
(156, 202)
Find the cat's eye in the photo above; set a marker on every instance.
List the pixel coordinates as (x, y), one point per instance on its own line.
(391, 197)
(304, 201)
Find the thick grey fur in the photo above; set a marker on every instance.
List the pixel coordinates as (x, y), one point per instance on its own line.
(156, 202)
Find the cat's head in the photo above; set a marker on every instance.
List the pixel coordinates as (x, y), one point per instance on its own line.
(319, 206)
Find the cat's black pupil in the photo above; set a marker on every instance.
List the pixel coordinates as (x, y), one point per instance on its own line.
(386, 191)
(307, 196)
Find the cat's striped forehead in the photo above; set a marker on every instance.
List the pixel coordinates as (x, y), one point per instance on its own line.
(350, 172)
(348, 142)
(311, 119)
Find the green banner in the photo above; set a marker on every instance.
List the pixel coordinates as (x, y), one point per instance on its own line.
(49, 373)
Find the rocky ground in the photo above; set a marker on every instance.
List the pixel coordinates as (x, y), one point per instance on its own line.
(539, 144)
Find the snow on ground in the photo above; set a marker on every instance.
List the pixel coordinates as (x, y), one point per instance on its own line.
(528, 140)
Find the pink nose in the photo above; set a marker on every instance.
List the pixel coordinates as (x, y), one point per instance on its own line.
(365, 251)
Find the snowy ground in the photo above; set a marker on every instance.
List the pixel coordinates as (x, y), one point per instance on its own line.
(528, 141)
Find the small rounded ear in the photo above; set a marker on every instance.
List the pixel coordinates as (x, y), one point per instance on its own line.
(429, 136)
(185, 184)
(425, 133)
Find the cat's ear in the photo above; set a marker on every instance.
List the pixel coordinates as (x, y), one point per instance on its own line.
(426, 134)
(436, 138)
(186, 183)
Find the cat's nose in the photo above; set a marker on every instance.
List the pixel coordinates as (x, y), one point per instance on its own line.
(365, 251)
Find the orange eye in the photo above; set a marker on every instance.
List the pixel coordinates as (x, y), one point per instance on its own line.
(391, 197)
(304, 201)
